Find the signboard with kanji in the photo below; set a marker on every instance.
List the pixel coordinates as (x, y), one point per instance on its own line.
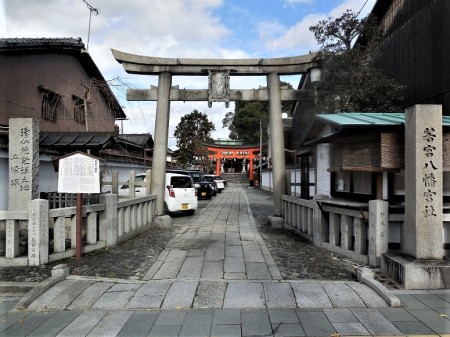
(79, 173)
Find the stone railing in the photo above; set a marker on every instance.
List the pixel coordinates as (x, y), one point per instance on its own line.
(298, 215)
(355, 230)
(50, 234)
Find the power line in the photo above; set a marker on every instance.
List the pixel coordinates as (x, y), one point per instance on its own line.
(359, 10)
(91, 10)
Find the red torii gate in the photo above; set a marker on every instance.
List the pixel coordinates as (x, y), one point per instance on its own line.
(218, 152)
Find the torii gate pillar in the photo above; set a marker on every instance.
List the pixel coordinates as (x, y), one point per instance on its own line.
(161, 140)
(276, 141)
(218, 71)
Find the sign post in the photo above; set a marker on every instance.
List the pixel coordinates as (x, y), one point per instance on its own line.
(79, 173)
(79, 232)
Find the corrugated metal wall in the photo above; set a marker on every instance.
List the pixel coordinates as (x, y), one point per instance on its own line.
(416, 50)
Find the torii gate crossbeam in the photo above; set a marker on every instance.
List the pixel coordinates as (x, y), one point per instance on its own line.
(218, 72)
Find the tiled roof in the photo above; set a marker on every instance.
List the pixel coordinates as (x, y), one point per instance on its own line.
(74, 139)
(348, 119)
(32, 43)
(139, 139)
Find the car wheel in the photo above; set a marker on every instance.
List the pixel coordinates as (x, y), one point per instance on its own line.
(166, 209)
(189, 212)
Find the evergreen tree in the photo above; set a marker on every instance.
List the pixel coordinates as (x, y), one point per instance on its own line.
(193, 131)
(244, 122)
(350, 80)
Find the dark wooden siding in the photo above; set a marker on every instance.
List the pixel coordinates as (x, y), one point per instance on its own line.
(21, 75)
(416, 49)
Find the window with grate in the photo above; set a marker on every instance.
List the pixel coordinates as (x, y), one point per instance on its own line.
(50, 102)
(79, 110)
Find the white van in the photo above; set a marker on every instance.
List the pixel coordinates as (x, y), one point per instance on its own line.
(179, 194)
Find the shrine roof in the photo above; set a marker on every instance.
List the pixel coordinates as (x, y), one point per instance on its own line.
(361, 119)
(329, 125)
(237, 147)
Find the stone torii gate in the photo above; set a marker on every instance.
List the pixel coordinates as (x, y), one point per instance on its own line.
(218, 72)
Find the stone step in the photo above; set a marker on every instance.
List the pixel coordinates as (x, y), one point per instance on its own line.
(235, 177)
(82, 293)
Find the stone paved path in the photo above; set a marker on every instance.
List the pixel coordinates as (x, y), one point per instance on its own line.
(217, 278)
(218, 260)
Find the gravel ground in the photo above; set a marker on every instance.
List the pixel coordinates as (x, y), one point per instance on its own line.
(295, 257)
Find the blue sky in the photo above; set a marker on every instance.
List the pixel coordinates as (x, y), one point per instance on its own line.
(177, 28)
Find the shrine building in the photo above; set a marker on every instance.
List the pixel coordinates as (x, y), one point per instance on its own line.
(247, 152)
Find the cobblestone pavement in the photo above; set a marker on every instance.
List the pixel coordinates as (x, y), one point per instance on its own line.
(295, 258)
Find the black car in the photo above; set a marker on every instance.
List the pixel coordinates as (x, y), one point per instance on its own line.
(213, 184)
(205, 189)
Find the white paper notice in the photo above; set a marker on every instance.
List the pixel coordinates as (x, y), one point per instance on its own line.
(79, 173)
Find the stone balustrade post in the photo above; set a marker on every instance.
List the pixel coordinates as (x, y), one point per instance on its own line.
(108, 220)
(320, 225)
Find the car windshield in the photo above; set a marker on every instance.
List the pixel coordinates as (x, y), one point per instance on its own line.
(196, 176)
(139, 181)
(181, 182)
(209, 178)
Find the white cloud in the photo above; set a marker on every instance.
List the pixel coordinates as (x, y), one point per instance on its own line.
(288, 3)
(297, 39)
(2, 16)
(141, 117)
(354, 5)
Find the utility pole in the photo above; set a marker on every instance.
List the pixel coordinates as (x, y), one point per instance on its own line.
(91, 10)
(260, 154)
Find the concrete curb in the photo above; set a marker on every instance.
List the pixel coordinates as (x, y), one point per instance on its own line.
(366, 277)
(38, 290)
(59, 273)
(16, 287)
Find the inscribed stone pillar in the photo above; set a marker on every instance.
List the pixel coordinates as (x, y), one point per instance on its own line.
(378, 230)
(23, 162)
(323, 175)
(422, 234)
(38, 232)
(160, 143)
(276, 141)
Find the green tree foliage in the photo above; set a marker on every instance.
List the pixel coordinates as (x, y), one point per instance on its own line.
(350, 80)
(244, 122)
(193, 131)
